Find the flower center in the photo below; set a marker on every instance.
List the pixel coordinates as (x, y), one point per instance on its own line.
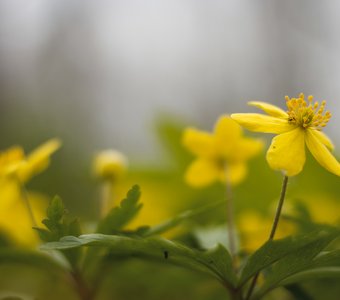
(307, 113)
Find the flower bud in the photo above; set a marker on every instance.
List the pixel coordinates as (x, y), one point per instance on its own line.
(110, 165)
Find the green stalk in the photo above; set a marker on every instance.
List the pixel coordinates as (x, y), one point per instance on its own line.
(230, 220)
(273, 231)
(26, 200)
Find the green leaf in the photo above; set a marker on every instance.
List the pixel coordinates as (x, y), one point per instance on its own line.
(34, 274)
(216, 262)
(54, 221)
(121, 215)
(28, 257)
(175, 221)
(272, 251)
(57, 227)
(56, 210)
(300, 260)
(44, 234)
(326, 264)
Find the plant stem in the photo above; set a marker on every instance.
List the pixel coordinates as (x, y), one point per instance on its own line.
(230, 219)
(272, 232)
(24, 196)
(83, 291)
(279, 207)
(106, 198)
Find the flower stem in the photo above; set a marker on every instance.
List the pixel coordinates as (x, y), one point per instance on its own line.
(106, 198)
(230, 220)
(84, 292)
(279, 207)
(24, 196)
(272, 232)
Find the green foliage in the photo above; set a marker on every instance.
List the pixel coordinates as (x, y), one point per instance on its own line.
(56, 223)
(285, 262)
(325, 265)
(180, 218)
(119, 216)
(33, 275)
(273, 251)
(303, 262)
(216, 262)
(58, 226)
(32, 258)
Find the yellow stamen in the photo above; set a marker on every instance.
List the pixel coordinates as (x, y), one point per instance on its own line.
(307, 114)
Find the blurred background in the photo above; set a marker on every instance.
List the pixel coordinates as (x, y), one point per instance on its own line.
(99, 74)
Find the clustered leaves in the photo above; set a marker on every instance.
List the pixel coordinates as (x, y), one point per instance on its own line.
(283, 262)
(122, 214)
(56, 223)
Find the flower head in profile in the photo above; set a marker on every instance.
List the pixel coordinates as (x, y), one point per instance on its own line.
(221, 155)
(14, 162)
(300, 125)
(16, 169)
(110, 165)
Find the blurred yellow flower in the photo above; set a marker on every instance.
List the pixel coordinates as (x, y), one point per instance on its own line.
(254, 230)
(221, 155)
(16, 209)
(38, 160)
(300, 125)
(15, 220)
(10, 160)
(327, 213)
(110, 165)
(14, 162)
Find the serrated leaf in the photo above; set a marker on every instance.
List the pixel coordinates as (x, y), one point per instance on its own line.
(56, 209)
(216, 262)
(173, 222)
(324, 265)
(56, 222)
(272, 251)
(298, 261)
(58, 227)
(121, 215)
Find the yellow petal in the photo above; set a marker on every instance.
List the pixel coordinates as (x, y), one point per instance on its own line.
(287, 152)
(323, 138)
(270, 109)
(263, 123)
(246, 148)
(227, 130)
(198, 142)
(235, 173)
(321, 153)
(39, 159)
(201, 172)
(10, 160)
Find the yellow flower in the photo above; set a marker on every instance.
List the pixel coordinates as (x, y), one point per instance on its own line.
(15, 220)
(15, 170)
(300, 125)
(254, 229)
(10, 160)
(14, 162)
(38, 160)
(110, 164)
(221, 155)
